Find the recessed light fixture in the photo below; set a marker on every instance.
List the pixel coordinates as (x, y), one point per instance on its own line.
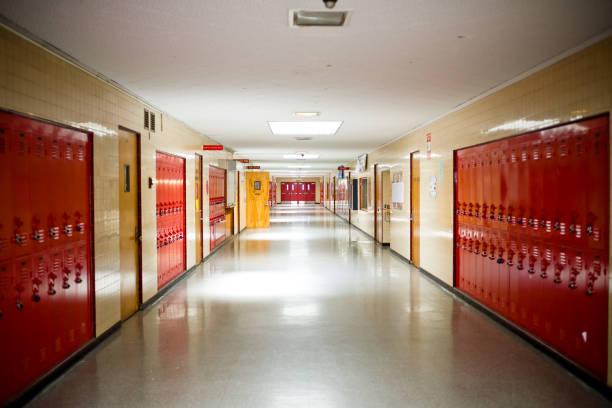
(306, 114)
(318, 128)
(318, 18)
(301, 156)
(299, 167)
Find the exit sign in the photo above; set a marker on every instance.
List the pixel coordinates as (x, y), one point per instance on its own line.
(253, 167)
(212, 147)
(242, 160)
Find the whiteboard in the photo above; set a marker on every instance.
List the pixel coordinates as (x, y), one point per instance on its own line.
(397, 192)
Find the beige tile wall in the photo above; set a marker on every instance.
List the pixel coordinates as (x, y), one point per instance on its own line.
(38, 83)
(579, 85)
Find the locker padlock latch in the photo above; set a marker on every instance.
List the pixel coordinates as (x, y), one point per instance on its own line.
(530, 222)
(573, 277)
(19, 289)
(593, 276)
(484, 249)
(558, 270)
(532, 261)
(492, 254)
(458, 211)
(492, 212)
(477, 210)
(66, 278)
(79, 269)
(476, 247)
(469, 247)
(36, 289)
(509, 262)
(52, 278)
(557, 225)
(500, 214)
(484, 211)
(500, 256)
(519, 262)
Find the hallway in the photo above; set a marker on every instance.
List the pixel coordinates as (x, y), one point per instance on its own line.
(312, 313)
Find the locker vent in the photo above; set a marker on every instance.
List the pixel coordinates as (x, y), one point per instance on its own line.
(146, 119)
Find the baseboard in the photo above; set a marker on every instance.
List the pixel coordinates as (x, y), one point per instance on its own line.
(574, 369)
(33, 390)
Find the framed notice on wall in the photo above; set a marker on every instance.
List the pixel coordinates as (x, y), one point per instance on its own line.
(362, 163)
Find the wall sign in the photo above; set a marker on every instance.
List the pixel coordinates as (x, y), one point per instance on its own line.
(212, 147)
(428, 142)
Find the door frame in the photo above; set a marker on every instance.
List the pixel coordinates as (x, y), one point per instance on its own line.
(237, 201)
(139, 195)
(411, 207)
(375, 203)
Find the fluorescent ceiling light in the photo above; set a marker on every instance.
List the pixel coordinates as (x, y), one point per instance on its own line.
(318, 128)
(306, 114)
(299, 167)
(301, 156)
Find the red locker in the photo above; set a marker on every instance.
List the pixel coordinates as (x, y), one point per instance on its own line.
(216, 183)
(45, 248)
(536, 209)
(170, 205)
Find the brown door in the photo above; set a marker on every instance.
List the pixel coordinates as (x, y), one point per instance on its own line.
(415, 213)
(129, 236)
(385, 188)
(198, 208)
(238, 194)
(377, 205)
(258, 212)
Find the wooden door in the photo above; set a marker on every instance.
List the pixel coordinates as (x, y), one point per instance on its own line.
(378, 224)
(415, 212)
(258, 212)
(129, 236)
(198, 208)
(385, 186)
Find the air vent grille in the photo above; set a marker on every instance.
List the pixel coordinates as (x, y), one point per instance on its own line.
(152, 121)
(146, 119)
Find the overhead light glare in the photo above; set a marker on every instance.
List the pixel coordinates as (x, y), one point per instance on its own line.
(307, 114)
(299, 167)
(301, 156)
(318, 128)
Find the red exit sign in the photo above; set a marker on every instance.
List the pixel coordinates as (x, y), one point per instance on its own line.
(242, 160)
(253, 167)
(212, 147)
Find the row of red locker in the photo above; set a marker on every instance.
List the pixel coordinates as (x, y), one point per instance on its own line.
(170, 196)
(532, 234)
(298, 191)
(545, 184)
(559, 294)
(45, 273)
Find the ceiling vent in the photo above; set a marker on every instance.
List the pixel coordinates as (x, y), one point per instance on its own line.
(302, 138)
(306, 18)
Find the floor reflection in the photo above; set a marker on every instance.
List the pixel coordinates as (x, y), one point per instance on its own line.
(311, 313)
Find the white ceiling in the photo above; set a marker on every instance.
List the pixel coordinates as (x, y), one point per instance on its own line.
(227, 67)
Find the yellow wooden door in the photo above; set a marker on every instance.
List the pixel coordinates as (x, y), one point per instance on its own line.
(258, 212)
(128, 223)
(415, 211)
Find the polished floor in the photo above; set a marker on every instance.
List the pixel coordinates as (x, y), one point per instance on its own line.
(311, 313)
